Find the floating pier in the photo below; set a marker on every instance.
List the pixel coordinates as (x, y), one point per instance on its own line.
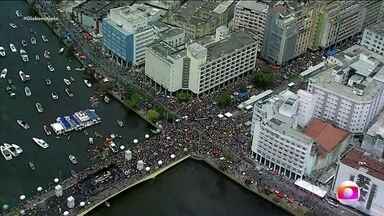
(76, 121)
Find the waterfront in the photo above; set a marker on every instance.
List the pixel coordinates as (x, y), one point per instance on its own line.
(52, 162)
(190, 188)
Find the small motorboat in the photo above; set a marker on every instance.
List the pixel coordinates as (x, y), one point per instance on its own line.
(39, 107)
(31, 165)
(27, 91)
(25, 58)
(18, 13)
(69, 92)
(73, 159)
(24, 43)
(37, 57)
(90, 140)
(61, 50)
(80, 69)
(40, 142)
(88, 83)
(12, 47)
(68, 68)
(24, 77)
(22, 51)
(3, 73)
(33, 40)
(72, 79)
(54, 96)
(6, 153)
(45, 39)
(13, 25)
(48, 81)
(67, 82)
(46, 130)
(120, 123)
(17, 149)
(46, 54)
(51, 68)
(23, 124)
(106, 99)
(2, 51)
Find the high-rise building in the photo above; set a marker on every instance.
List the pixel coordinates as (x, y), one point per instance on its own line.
(373, 11)
(251, 16)
(349, 88)
(373, 141)
(282, 144)
(204, 64)
(368, 173)
(373, 38)
(128, 30)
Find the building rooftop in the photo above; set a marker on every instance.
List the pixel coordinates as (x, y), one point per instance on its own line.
(100, 8)
(171, 32)
(197, 12)
(254, 5)
(358, 159)
(326, 135)
(236, 40)
(166, 51)
(223, 6)
(336, 75)
(377, 28)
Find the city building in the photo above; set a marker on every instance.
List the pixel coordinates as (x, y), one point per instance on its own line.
(368, 173)
(373, 141)
(91, 13)
(288, 31)
(128, 30)
(349, 88)
(251, 16)
(336, 21)
(280, 143)
(373, 38)
(201, 18)
(166, 5)
(373, 11)
(204, 64)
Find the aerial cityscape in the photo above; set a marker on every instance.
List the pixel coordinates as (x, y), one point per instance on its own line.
(192, 107)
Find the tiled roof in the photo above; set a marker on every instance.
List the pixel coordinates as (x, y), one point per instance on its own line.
(325, 134)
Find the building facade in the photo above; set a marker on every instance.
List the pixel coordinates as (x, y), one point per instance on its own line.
(251, 16)
(373, 38)
(204, 64)
(349, 89)
(128, 30)
(368, 173)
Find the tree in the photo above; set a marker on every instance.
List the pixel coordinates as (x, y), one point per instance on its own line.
(224, 100)
(153, 115)
(134, 100)
(183, 96)
(263, 79)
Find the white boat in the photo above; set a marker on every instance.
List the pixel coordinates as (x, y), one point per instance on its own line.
(73, 159)
(67, 82)
(48, 81)
(61, 50)
(24, 43)
(25, 58)
(27, 91)
(6, 153)
(46, 130)
(88, 83)
(40, 142)
(3, 73)
(39, 107)
(106, 99)
(54, 96)
(23, 124)
(18, 13)
(2, 51)
(45, 39)
(22, 51)
(72, 79)
(79, 69)
(33, 40)
(15, 149)
(120, 123)
(13, 25)
(31, 165)
(90, 140)
(12, 47)
(9, 147)
(37, 57)
(46, 54)
(51, 68)
(69, 92)
(24, 77)
(68, 68)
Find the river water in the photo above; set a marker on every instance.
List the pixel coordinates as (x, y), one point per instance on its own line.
(16, 176)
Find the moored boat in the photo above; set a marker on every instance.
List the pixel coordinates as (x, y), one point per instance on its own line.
(22, 51)
(46, 54)
(48, 81)
(6, 153)
(88, 83)
(90, 140)
(18, 13)
(23, 124)
(40, 142)
(54, 96)
(24, 43)
(67, 82)
(68, 68)
(51, 68)
(73, 159)
(46, 130)
(3, 73)
(45, 39)
(61, 50)
(24, 77)
(2, 51)
(33, 40)
(106, 99)
(37, 57)
(69, 92)
(13, 25)
(27, 91)
(31, 165)
(12, 47)
(39, 107)
(25, 58)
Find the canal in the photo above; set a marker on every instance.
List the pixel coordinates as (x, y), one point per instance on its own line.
(16, 176)
(190, 188)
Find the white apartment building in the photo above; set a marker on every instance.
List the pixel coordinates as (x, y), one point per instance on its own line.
(251, 16)
(280, 143)
(349, 88)
(368, 173)
(373, 38)
(204, 64)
